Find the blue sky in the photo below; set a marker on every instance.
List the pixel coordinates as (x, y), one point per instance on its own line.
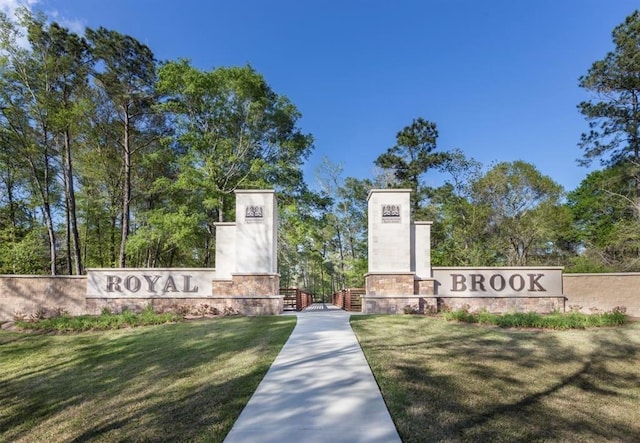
(499, 77)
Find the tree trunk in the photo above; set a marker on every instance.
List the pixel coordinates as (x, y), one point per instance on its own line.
(71, 210)
(126, 191)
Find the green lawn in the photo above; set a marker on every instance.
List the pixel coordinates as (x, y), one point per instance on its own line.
(445, 381)
(175, 382)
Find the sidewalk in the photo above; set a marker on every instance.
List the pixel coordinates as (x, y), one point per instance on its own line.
(319, 389)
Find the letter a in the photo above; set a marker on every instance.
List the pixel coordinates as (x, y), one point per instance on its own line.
(170, 285)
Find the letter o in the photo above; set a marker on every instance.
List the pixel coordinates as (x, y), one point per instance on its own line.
(135, 287)
(492, 282)
(513, 284)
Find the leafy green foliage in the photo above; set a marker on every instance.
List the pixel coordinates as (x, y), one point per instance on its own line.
(571, 320)
(105, 321)
(614, 111)
(412, 157)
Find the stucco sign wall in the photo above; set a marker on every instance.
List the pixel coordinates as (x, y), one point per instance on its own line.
(498, 282)
(145, 283)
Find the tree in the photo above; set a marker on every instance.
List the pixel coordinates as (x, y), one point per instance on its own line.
(27, 115)
(65, 56)
(524, 215)
(459, 236)
(346, 218)
(605, 224)
(234, 131)
(412, 156)
(126, 72)
(614, 111)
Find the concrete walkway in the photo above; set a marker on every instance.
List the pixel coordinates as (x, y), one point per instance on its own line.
(319, 389)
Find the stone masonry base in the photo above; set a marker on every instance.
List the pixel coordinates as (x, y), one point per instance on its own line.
(423, 305)
(244, 305)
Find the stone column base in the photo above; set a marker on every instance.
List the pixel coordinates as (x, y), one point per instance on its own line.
(401, 304)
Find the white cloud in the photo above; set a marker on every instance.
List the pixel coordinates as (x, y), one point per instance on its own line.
(73, 25)
(9, 6)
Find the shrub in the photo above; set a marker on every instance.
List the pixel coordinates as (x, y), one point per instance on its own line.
(411, 309)
(106, 320)
(557, 320)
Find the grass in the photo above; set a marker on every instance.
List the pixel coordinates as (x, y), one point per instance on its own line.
(173, 382)
(445, 381)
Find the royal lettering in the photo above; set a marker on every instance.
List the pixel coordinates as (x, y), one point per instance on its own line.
(150, 283)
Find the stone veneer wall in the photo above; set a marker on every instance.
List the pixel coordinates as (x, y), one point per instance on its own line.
(391, 293)
(390, 284)
(28, 294)
(245, 294)
(542, 305)
(247, 284)
(603, 292)
(256, 305)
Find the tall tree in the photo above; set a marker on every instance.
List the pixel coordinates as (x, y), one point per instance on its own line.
(412, 156)
(614, 111)
(25, 106)
(234, 131)
(524, 211)
(459, 236)
(605, 225)
(66, 62)
(126, 71)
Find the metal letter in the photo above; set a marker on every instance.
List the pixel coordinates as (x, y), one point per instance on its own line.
(533, 283)
(136, 285)
(458, 283)
(187, 283)
(477, 280)
(512, 282)
(170, 285)
(492, 282)
(113, 283)
(151, 282)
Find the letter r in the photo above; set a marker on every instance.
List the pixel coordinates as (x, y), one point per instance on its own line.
(113, 283)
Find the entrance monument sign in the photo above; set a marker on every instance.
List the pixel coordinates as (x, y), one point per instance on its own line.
(498, 282)
(245, 279)
(400, 276)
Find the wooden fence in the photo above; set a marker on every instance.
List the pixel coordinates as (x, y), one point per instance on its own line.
(349, 299)
(295, 299)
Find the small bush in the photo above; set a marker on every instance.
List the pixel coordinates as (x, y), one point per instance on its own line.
(181, 310)
(205, 310)
(411, 309)
(229, 311)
